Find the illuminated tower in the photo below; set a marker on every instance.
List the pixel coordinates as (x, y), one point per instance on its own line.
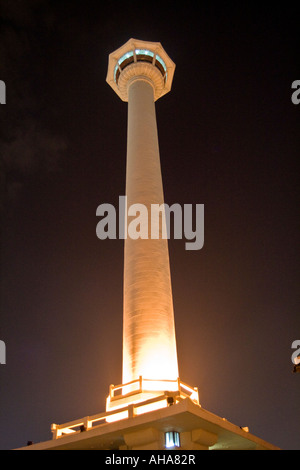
(140, 72)
(152, 408)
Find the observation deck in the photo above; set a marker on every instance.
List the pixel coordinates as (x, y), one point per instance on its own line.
(141, 60)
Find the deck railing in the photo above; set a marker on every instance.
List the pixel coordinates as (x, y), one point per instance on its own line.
(175, 391)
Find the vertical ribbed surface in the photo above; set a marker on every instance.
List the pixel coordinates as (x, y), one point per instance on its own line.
(149, 344)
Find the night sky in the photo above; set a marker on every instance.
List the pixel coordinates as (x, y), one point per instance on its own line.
(229, 139)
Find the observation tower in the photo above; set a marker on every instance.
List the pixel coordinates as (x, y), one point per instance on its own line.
(140, 72)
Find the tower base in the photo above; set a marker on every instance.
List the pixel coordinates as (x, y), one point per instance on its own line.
(182, 426)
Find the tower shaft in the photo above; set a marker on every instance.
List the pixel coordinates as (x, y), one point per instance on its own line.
(149, 344)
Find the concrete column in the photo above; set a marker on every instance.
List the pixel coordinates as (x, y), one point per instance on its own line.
(149, 344)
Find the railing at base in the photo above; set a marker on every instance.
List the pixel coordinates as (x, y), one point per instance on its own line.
(141, 385)
(129, 410)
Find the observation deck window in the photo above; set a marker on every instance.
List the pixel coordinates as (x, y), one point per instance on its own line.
(140, 55)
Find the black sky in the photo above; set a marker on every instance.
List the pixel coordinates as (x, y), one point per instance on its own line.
(229, 138)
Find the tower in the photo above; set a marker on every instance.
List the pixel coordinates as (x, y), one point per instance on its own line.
(140, 72)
